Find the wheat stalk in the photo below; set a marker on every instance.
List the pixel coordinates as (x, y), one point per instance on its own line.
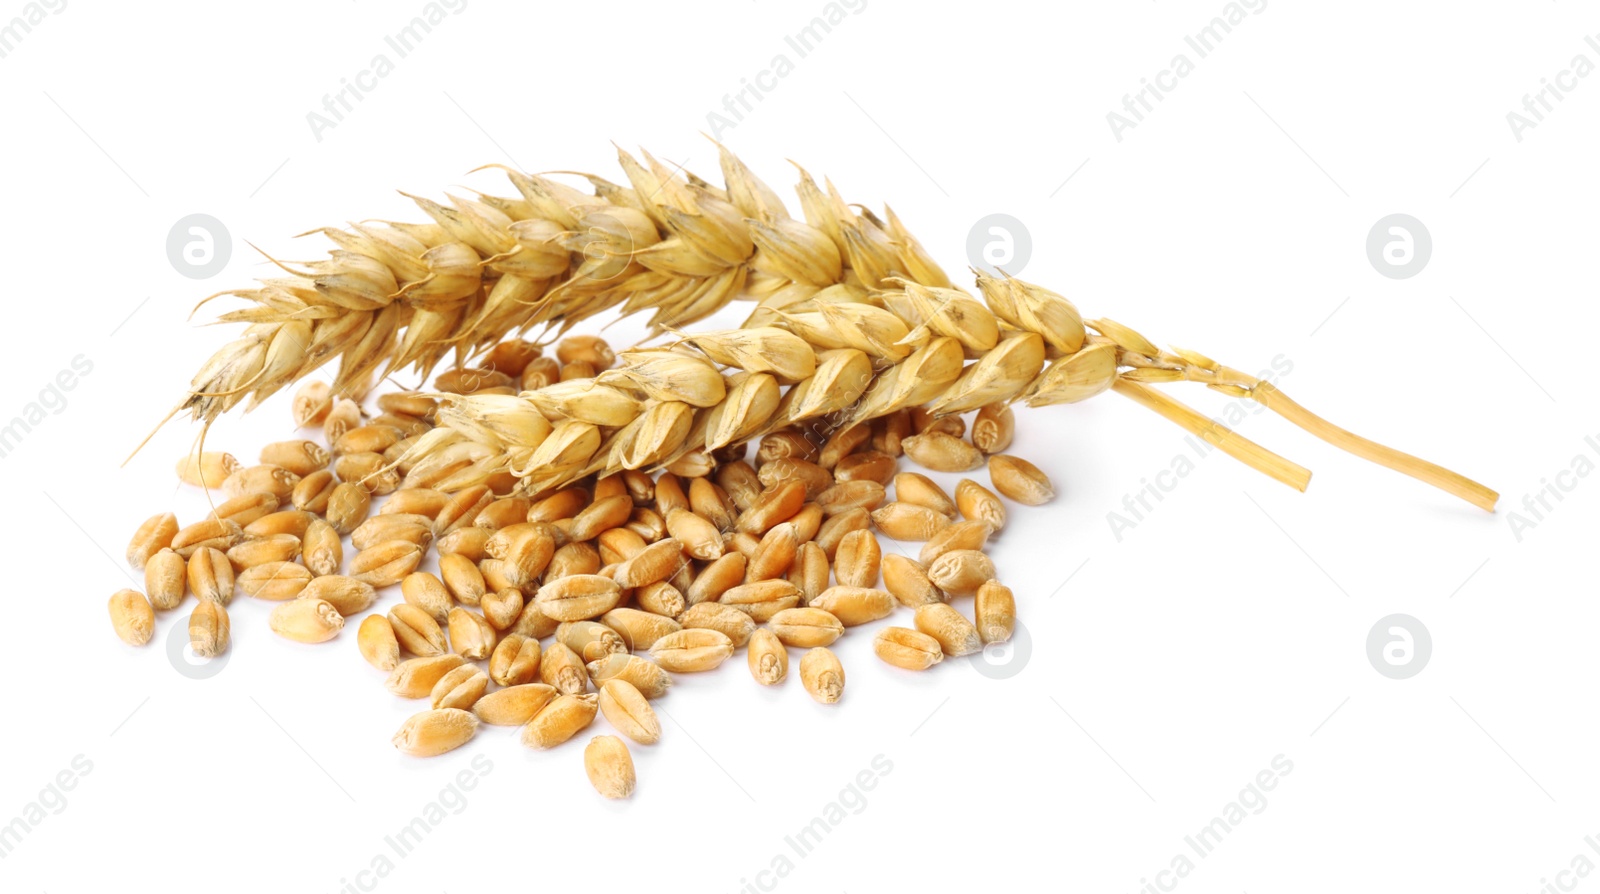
(854, 320)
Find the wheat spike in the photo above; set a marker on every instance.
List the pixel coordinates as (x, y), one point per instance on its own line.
(854, 321)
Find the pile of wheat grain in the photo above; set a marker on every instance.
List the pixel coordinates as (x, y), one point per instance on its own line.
(542, 598)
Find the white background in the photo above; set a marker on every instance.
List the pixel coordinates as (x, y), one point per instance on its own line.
(1226, 628)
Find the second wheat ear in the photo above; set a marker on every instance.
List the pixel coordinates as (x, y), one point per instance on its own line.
(854, 321)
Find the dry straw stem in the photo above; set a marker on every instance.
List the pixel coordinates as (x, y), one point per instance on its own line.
(854, 321)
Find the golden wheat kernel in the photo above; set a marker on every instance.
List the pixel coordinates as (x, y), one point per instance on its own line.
(889, 431)
(210, 575)
(857, 559)
(908, 582)
(908, 521)
(608, 486)
(907, 648)
(262, 479)
(210, 631)
(153, 535)
(951, 425)
(762, 599)
(961, 572)
(346, 594)
(515, 660)
(850, 495)
(590, 349)
(822, 675)
(618, 545)
(994, 428)
(1020, 480)
(470, 381)
(962, 535)
(956, 635)
(561, 719)
(816, 479)
(502, 607)
(578, 597)
(637, 628)
(642, 674)
(462, 509)
(692, 650)
(786, 444)
(274, 548)
(574, 558)
(867, 465)
(996, 612)
(370, 470)
(284, 521)
(591, 640)
(564, 503)
(600, 516)
(345, 415)
(410, 403)
(920, 490)
(767, 658)
(698, 537)
(243, 510)
(366, 439)
(423, 501)
(503, 512)
(736, 625)
(774, 554)
(428, 593)
(471, 543)
(807, 522)
(525, 549)
(647, 523)
(514, 705)
(460, 688)
(842, 443)
(416, 677)
(806, 628)
(561, 667)
(641, 487)
(977, 503)
(533, 623)
(298, 456)
(207, 469)
(462, 578)
(272, 581)
(775, 505)
(379, 528)
(655, 563)
(661, 598)
(387, 563)
(716, 578)
(432, 733)
(165, 575)
(321, 550)
(712, 503)
(132, 617)
(610, 767)
(740, 481)
(669, 494)
(855, 605)
(542, 372)
(377, 642)
(416, 630)
(942, 453)
(471, 635)
(626, 708)
(810, 571)
(348, 505)
(218, 534)
(311, 403)
(835, 529)
(410, 427)
(306, 620)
